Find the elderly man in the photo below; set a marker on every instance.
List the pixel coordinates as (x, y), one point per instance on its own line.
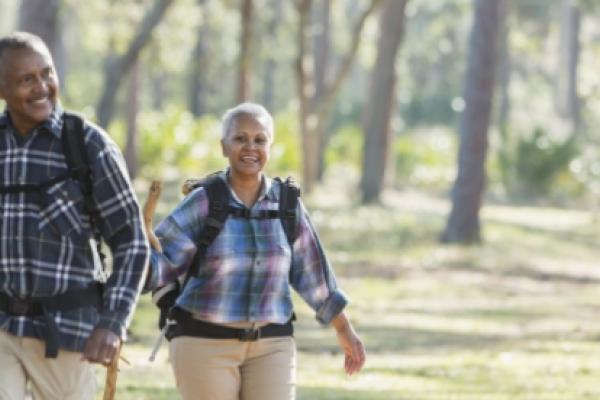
(56, 316)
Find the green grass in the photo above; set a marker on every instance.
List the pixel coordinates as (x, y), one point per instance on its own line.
(512, 319)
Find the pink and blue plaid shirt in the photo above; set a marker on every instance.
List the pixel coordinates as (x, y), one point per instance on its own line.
(249, 268)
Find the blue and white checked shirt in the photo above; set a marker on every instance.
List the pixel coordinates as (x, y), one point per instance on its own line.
(246, 275)
(44, 249)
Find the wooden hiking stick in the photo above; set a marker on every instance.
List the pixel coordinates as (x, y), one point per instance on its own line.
(188, 185)
(110, 386)
(112, 370)
(148, 211)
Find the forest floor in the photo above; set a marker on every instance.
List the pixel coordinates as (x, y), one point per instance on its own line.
(515, 317)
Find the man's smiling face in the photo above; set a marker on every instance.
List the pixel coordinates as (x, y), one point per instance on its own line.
(29, 85)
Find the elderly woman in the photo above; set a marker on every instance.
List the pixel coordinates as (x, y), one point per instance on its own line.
(240, 343)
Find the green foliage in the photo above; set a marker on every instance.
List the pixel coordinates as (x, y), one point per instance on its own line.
(435, 108)
(530, 166)
(425, 158)
(286, 152)
(345, 147)
(175, 145)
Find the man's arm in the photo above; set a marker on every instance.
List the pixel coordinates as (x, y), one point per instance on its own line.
(120, 224)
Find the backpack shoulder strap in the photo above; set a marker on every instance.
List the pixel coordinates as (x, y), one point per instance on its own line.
(75, 152)
(218, 201)
(288, 205)
(73, 143)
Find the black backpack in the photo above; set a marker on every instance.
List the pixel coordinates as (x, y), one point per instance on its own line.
(218, 211)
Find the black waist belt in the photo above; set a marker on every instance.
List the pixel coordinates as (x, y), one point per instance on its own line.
(46, 306)
(188, 326)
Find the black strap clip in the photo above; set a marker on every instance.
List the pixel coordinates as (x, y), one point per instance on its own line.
(18, 307)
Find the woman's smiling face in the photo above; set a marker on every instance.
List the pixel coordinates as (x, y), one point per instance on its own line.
(247, 146)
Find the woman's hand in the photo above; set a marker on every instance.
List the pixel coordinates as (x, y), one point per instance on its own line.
(350, 344)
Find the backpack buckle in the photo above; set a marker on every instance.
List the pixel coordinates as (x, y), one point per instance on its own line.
(18, 307)
(249, 335)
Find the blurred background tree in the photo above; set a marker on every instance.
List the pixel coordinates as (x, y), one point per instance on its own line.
(378, 95)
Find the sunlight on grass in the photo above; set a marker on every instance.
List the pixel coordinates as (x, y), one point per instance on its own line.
(514, 318)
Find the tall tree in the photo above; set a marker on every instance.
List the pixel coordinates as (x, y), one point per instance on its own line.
(118, 66)
(566, 96)
(504, 67)
(314, 116)
(133, 108)
(270, 69)
(42, 17)
(463, 223)
(197, 85)
(322, 51)
(245, 54)
(381, 100)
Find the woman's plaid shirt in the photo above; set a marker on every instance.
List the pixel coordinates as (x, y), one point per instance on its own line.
(44, 245)
(248, 269)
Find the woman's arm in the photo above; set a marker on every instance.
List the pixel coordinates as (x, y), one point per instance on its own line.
(350, 344)
(177, 236)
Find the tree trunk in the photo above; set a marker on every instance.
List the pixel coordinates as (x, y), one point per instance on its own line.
(270, 68)
(133, 108)
(41, 17)
(463, 223)
(304, 80)
(314, 116)
(245, 55)
(504, 67)
(322, 46)
(156, 77)
(118, 67)
(380, 104)
(197, 86)
(566, 96)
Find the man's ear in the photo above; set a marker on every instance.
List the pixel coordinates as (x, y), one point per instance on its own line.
(223, 148)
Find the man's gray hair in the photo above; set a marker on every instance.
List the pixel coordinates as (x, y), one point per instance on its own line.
(252, 109)
(19, 41)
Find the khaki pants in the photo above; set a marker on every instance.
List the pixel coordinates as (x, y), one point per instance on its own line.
(228, 369)
(63, 378)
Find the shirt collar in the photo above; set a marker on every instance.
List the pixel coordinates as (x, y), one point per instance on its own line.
(53, 124)
(266, 188)
(4, 120)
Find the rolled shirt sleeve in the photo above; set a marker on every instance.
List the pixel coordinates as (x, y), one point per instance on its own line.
(311, 275)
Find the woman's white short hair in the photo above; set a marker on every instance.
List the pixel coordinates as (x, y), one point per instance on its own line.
(252, 109)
